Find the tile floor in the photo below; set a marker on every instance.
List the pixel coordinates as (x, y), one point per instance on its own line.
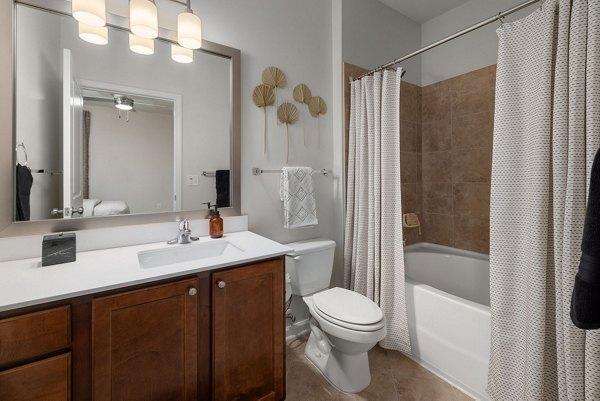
(394, 377)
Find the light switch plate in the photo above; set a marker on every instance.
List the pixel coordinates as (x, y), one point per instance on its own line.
(192, 180)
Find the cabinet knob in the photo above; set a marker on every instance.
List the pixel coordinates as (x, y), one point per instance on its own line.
(192, 291)
(221, 284)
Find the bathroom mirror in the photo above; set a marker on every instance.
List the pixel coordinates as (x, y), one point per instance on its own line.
(101, 131)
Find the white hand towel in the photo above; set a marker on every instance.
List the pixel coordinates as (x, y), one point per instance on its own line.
(298, 196)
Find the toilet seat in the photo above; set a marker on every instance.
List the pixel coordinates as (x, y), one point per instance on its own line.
(348, 309)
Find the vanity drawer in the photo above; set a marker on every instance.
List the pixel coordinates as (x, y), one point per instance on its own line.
(45, 380)
(34, 334)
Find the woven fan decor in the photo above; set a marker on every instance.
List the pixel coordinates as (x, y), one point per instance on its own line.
(302, 95)
(263, 97)
(275, 78)
(287, 114)
(317, 107)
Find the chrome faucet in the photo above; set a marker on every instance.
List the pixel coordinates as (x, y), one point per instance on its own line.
(185, 234)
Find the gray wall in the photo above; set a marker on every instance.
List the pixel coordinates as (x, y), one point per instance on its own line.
(373, 34)
(475, 50)
(120, 170)
(39, 94)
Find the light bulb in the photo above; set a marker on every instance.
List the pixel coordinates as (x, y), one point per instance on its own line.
(143, 18)
(182, 54)
(93, 34)
(141, 45)
(90, 12)
(189, 30)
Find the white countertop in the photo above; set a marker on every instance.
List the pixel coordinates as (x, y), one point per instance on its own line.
(25, 282)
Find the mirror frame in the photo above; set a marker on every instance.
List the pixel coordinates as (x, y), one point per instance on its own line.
(9, 228)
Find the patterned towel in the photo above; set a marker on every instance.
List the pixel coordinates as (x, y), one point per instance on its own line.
(298, 196)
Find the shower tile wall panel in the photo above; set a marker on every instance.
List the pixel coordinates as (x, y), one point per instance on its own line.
(446, 156)
(410, 156)
(456, 129)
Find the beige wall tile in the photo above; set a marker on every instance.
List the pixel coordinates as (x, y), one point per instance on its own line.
(408, 167)
(436, 135)
(438, 229)
(473, 80)
(437, 166)
(473, 130)
(408, 136)
(410, 102)
(436, 105)
(437, 198)
(472, 234)
(472, 199)
(472, 165)
(409, 197)
(471, 102)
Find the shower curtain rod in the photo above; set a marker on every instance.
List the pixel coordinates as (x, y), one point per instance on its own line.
(483, 23)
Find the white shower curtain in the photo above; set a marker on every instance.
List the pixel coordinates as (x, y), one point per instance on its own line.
(546, 132)
(373, 249)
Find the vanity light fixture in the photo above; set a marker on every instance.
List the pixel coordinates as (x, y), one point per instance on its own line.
(90, 12)
(97, 35)
(182, 54)
(123, 103)
(143, 18)
(141, 45)
(189, 29)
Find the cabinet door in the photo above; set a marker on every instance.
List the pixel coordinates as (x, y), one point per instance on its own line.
(248, 333)
(45, 380)
(145, 344)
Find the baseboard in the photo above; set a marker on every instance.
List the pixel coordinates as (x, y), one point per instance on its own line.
(297, 329)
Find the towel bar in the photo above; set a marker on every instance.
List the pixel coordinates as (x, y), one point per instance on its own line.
(259, 171)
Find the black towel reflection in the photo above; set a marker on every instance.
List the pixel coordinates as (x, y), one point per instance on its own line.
(222, 186)
(24, 181)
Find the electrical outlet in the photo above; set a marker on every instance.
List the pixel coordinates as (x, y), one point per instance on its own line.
(192, 180)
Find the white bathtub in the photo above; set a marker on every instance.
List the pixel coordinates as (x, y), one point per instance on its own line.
(447, 300)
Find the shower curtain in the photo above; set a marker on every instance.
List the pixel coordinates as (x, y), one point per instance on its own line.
(373, 249)
(546, 132)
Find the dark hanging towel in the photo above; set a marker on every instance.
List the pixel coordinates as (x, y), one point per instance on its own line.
(24, 180)
(585, 301)
(222, 183)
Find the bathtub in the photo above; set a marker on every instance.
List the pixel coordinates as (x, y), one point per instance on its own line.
(448, 306)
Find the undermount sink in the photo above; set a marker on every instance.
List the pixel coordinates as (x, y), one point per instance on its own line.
(187, 253)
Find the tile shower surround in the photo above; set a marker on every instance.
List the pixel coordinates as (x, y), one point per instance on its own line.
(446, 157)
(457, 122)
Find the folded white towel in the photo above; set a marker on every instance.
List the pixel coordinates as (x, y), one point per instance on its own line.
(298, 196)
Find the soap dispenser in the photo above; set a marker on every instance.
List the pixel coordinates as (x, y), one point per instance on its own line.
(215, 222)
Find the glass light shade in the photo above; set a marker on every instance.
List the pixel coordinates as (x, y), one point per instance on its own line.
(97, 35)
(189, 30)
(143, 18)
(90, 12)
(141, 45)
(124, 107)
(182, 54)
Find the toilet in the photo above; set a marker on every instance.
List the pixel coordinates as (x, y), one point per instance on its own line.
(344, 324)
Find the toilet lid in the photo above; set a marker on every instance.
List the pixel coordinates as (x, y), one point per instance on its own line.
(347, 306)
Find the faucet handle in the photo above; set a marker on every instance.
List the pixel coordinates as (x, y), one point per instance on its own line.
(184, 225)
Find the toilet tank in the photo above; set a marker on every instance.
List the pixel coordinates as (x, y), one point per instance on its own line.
(310, 265)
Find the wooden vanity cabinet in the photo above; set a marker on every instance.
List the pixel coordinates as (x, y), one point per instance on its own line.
(248, 333)
(35, 361)
(216, 335)
(145, 344)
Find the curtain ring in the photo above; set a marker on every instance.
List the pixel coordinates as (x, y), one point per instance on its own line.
(501, 19)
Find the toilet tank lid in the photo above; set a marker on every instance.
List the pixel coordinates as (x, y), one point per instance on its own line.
(309, 246)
